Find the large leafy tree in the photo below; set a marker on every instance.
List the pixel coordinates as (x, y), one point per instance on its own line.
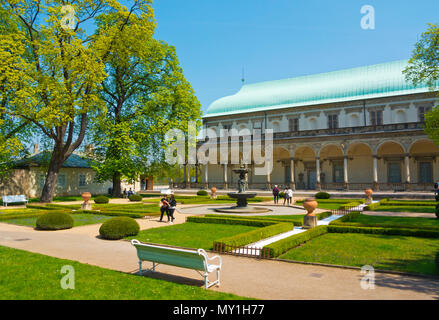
(52, 74)
(146, 94)
(424, 68)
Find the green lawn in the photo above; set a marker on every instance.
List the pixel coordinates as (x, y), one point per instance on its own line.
(30, 276)
(80, 219)
(190, 234)
(407, 254)
(396, 222)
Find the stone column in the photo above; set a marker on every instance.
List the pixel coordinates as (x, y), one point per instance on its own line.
(293, 184)
(318, 184)
(268, 178)
(407, 171)
(345, 172)
(226, 185)
(375, 172)
(206, 175)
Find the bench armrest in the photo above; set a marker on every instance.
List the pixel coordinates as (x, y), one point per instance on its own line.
(203, 253)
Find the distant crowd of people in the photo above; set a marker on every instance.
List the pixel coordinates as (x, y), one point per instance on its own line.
(127, 194)
(288, 195)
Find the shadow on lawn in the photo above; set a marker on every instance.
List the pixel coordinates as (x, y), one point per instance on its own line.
(171, 277)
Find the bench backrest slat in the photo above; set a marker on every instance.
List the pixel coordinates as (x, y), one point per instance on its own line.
(179, 258)
(18, 198)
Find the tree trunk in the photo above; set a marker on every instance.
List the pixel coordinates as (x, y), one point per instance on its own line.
(116, 185)
(55, 164)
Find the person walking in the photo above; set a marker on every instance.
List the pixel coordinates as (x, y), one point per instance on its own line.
(290, 196)
(286, 196)
(164, 207)
(171, 210)
(276, 192)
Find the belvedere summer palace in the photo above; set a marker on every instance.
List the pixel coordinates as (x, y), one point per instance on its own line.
(344, 130)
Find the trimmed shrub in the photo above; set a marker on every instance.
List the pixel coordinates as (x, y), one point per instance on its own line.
(372, 207)
(346, 218)
(272, 220)
(114, 213)
(349, 205)
(135, 197)
(7, 216)
(40, 207)
(101, 199)
(118, 228)
(437, 210)
(254, 235)
(322, 195)
(202, 193)
(422, 233)
(227, 220)
(54, 206)
(279, 247)
(54, 221)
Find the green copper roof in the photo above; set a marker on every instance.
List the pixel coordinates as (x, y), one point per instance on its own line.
(375, 81)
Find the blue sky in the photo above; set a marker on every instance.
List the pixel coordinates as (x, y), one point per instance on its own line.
(280, 39)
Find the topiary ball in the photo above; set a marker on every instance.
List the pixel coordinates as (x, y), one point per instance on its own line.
(54, 221)
(118, 228)
(101, 199)
(322, 195)
(202, 193)
(135, 197)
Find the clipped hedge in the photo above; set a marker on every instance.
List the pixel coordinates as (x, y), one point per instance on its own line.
(227, 220)
(101, 199)
(135, 197)
(410, 203)
(7, 216)
(40, 207)
(54, 221)
(322, 195)
(254, 235)
(118, 228)
(422, 233)
(273, 220)
(114, 213)
(279, 247)
(202, 193)
(63, 206)
(346, 218)
(372, 206)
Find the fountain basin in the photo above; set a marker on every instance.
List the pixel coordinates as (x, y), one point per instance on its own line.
(241, 204)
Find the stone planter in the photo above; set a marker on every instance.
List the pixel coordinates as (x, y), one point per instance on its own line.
(368, 193)
(310, 220)
(86, 196)
(213, 193)
(310, 205)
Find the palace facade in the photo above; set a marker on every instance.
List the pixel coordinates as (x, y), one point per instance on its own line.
(342, 130)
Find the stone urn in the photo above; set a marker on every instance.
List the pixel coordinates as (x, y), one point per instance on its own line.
(310, 219)
(213, 193)
(368, 193)
(86, 196)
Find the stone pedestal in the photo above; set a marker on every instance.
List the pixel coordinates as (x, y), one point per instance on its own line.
(86, 206)
(309, 222)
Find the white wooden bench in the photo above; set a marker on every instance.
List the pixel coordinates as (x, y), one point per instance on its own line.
(190, 259)
(14, 199)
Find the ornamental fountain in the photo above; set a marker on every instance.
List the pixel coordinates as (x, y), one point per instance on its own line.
(242, 195)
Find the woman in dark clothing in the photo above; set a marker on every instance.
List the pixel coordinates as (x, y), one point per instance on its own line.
(164, 207)
(172, 205)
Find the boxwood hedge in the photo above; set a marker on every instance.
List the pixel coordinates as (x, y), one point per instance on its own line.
(54, 221)
(118, 228)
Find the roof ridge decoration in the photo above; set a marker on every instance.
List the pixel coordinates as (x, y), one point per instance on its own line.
(367, 82)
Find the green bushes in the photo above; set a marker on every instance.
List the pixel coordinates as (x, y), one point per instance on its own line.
(40, 207)
(202, 193)
(322, 195)
(7, 216)
(436, 210)
(346, 218)
(118, 228)
(423, 233)
(227, 220)
(272, 220)
(349, 205)
(54, 221)
(372, 206)
(253, 236)
(275, 249)
(135, 198)
(101, 199)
